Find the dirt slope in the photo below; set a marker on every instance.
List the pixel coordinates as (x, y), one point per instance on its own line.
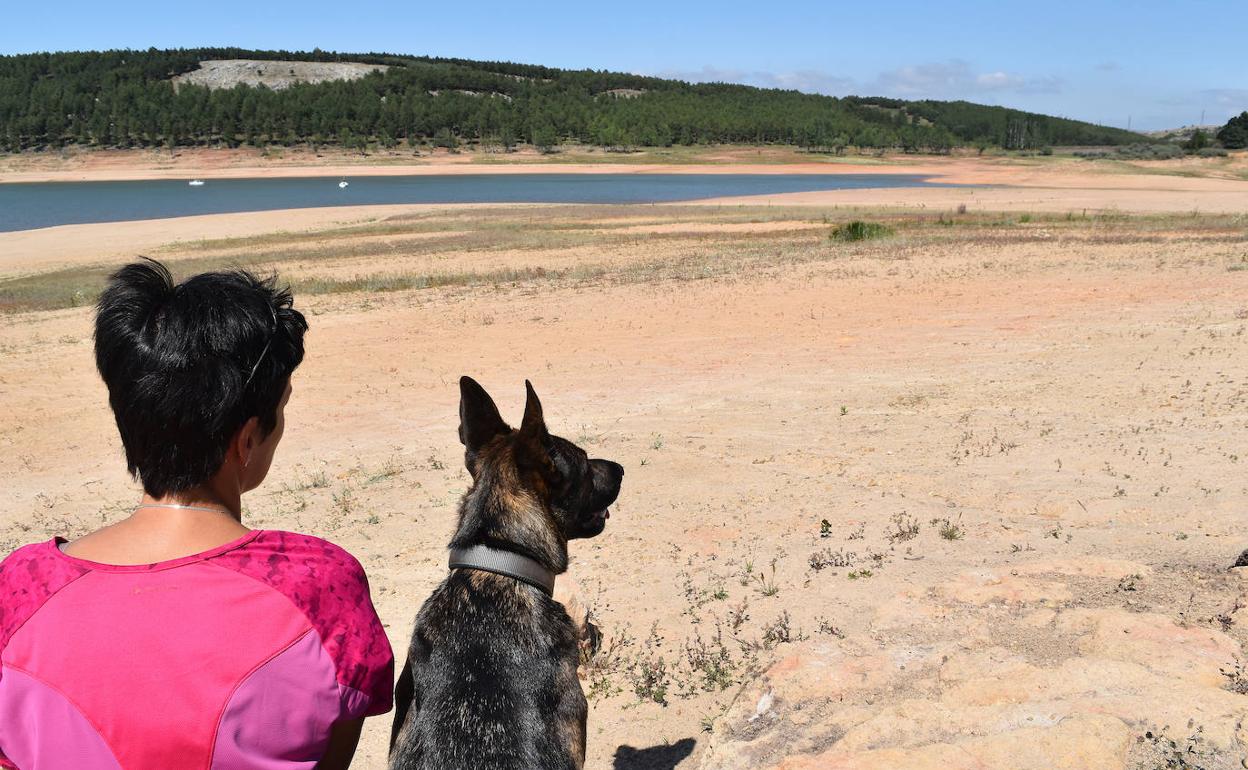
(227, 73)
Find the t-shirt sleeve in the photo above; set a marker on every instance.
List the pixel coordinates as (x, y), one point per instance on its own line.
(358, 643)
(329, 586)
(28, 578)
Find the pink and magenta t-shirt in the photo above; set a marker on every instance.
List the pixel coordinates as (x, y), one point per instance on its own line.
(242, 656)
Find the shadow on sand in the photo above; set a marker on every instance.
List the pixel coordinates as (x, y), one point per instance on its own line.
(664, 757)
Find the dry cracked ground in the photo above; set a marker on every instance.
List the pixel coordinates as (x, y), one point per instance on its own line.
(963, 495)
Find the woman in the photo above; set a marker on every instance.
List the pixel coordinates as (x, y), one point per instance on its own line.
(177, 637)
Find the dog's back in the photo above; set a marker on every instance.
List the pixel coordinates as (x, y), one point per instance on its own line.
(493, 662)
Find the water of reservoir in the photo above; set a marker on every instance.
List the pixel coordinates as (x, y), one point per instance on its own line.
(26, 206)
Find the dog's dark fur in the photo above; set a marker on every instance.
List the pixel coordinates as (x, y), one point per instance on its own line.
(490, 681)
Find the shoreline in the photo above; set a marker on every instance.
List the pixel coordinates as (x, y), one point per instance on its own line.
(927, 173)
(990, 184)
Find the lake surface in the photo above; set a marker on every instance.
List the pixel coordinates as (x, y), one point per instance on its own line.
(26, 206)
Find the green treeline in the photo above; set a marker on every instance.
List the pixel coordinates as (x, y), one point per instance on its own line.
(1234, 135)
(126, 99)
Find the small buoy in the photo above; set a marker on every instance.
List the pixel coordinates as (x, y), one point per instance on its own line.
(196, 183)
(341, 184)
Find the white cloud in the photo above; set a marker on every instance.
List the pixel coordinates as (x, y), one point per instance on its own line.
(957, 79)
(814, 81)
(953, 79)
(1218, 105)
(1233, 99)
(992, 81)
(933, 79)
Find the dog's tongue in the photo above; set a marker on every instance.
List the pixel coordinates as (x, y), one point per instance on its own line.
(605, 513)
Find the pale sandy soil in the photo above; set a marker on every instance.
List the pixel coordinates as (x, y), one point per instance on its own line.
(217, 164)
(1058, 392)
(31, 251)
(1029, 191)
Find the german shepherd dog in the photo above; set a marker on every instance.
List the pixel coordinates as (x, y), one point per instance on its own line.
(490, 681)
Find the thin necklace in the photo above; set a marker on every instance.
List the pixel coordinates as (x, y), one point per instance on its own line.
(181, 507)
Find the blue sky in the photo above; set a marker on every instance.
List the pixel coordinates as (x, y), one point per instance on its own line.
(1157, 64)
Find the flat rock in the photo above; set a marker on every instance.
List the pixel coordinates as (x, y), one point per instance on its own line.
(1016, 678)
(996, 586)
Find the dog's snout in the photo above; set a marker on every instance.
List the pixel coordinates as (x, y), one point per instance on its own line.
(610, 472)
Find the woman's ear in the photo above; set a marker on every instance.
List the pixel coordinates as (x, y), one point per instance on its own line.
(245, 441)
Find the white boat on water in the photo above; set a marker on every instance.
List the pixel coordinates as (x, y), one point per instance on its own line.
(342, 184)
(196, 183)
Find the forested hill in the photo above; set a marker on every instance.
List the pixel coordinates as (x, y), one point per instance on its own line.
(129, 98)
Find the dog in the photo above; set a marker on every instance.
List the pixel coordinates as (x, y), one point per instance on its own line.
(490, 681)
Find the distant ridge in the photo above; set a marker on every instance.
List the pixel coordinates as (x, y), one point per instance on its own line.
(1181, 134)
(129, 98)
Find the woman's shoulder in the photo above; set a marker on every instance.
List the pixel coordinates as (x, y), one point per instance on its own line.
(27, 554)
(294, 562)
(28, 578)
(309, 548)
(36, 564)
(329, 586)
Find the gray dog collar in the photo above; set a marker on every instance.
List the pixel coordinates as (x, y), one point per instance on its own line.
(507, 563)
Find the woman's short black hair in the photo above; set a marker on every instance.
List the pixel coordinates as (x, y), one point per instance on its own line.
(188, 364)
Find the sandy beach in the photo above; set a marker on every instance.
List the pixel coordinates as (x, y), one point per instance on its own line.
(969, 487)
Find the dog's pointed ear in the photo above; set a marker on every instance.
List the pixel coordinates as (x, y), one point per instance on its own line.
(533, 426)
(479, 420)
(532, 448)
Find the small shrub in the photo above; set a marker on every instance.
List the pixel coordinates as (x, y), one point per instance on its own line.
(948, 529)
(648, 671)
(767, 585)
(951, 531)
(781, 631)
(344, 500)
(1237, 678)
(650, 680)
(820, 560)
(827, 627)
(905, 527)
(711, 662)
(860, 231)
(1134, 152)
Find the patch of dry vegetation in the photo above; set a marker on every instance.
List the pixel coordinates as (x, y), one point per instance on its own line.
(562, 244)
